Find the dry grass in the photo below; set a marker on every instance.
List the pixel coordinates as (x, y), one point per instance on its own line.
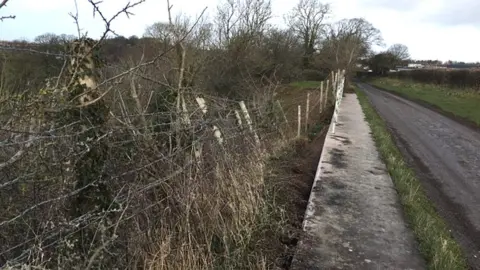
(173, 209)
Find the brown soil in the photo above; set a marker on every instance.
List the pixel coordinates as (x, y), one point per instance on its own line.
(291, 179)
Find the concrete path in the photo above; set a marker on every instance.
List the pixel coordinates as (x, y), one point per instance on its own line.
(354, 218)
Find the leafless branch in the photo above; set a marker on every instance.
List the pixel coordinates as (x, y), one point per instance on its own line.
(3, 3)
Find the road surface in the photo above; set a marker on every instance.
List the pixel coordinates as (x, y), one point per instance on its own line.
(446, 156)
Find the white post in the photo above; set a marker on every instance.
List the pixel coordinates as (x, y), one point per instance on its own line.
(216, 131)
(299, 120)
(307, 108)
(326, 94)
(338, 98)
(321, 97)
(239, 119)
(249, 122)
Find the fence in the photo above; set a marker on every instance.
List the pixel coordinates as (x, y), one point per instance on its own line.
(168, 189)
(335, 85)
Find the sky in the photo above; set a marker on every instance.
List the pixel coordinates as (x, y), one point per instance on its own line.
(432, 29)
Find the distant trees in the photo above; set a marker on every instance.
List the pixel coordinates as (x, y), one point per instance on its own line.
(307, 20)
(381, 63)
(400, 51)
(53, 39)
(395, 55)
(347, 41)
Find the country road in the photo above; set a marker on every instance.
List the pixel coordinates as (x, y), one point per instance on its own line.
(446, 157)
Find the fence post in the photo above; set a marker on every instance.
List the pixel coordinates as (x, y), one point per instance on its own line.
(249, 122)
(299, 120)
(281, 110)
(326, 94)
(307, 112)
(216, 131)
(239, 119)
(338, 99)
(321, 97)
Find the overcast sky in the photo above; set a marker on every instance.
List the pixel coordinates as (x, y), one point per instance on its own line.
(432, 29)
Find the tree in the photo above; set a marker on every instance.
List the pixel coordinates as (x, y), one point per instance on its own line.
(242, 19)
(382, 62)
(400, 51)
(53, 39)
(346, 42)
(306, 19)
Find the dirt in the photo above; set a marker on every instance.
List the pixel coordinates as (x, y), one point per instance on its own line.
(444, 152)
(291, 179)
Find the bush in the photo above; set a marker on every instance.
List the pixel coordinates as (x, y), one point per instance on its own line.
(452, 78)
(313, 75)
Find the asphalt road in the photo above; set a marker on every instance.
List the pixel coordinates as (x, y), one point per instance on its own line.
(446, 157)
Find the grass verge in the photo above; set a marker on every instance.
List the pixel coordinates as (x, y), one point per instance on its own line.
(437, 245)
(462, 103)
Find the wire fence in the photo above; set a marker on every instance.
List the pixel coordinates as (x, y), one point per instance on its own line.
(167, 190)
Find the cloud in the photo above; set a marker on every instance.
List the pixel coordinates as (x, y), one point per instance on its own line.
(432, 29)
(456, 13)
(399, 5)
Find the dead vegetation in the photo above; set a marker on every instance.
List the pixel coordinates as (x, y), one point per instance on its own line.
(171, 155)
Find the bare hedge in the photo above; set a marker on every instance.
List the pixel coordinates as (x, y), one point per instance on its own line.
(452, 78)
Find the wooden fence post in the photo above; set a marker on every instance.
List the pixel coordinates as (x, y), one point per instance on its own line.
(307, 108)
(249, 122)
(321, 97)
(326, 94)
(299, 120)
(281, 110)
(216, 131)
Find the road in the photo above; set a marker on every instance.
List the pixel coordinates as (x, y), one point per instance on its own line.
(446, 157)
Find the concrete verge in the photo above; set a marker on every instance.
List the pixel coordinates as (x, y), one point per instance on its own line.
(353, 218)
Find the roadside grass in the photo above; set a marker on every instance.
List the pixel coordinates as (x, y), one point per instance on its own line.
(461, 102)
(438, 247)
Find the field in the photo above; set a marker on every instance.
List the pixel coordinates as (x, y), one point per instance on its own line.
(460, 102)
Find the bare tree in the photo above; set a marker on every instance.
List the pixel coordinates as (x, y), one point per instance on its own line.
(254, 17)
(307, 20)
(348, 40)
(247, 18)
(400, 51)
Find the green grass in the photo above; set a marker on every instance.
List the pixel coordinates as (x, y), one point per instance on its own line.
(437, 246)
(463, 103)
(305, 84)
